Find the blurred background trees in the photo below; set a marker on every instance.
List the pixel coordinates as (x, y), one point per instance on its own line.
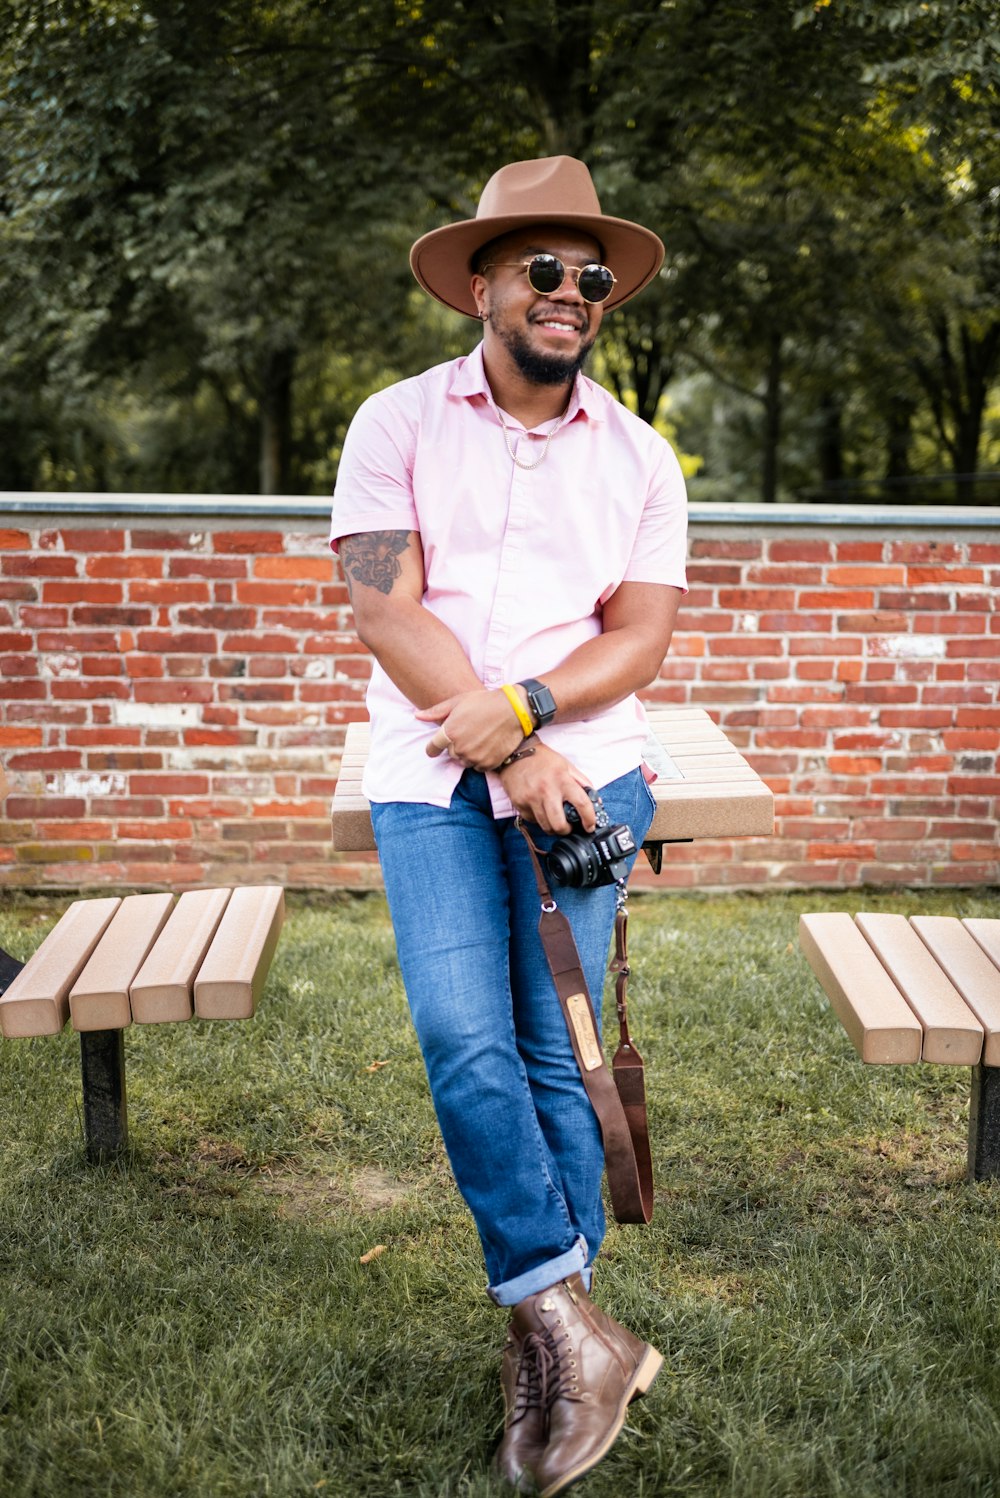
(205, 213)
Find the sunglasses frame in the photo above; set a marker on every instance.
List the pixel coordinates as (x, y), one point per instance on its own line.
(527, 263)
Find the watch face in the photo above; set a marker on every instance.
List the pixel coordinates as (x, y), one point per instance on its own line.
(542, 703)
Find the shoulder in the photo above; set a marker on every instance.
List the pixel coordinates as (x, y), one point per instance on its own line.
(408, 397)
(649, 446)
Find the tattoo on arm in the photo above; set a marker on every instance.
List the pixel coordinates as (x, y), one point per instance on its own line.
(371, 558)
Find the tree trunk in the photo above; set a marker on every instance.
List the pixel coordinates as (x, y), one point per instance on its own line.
(772, 422)
(276, 422)
(831, 439)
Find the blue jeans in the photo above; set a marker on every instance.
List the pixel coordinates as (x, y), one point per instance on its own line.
(521, 1135)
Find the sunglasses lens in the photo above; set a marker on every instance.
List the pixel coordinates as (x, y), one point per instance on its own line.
(596, 283)
(546, 274)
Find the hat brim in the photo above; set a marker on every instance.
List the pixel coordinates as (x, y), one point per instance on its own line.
(442, 259)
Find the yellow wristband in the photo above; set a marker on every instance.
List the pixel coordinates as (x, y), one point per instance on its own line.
(527, 726)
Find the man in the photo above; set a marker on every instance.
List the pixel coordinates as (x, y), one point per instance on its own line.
(513, 542)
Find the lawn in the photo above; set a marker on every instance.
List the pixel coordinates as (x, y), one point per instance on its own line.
(207, 1319)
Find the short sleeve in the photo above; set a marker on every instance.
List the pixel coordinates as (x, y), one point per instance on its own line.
(659, 552)
(374, 488)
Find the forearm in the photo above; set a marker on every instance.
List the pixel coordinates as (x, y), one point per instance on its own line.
(624, 658)
(417, 652)
(603, 671)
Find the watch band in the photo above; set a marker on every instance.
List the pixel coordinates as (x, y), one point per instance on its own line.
(540, 701)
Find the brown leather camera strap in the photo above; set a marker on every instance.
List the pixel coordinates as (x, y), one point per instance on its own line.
(618, 1097)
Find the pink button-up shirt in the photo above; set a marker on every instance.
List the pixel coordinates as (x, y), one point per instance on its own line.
(518, 562)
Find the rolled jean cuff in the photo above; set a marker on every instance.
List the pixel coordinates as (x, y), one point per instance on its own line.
(511, 1292)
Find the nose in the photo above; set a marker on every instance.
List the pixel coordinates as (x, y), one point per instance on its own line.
(569, 291)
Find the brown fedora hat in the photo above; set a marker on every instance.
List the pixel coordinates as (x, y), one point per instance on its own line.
(549, 190)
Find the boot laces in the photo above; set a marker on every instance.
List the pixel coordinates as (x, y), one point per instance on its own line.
(544, 1373)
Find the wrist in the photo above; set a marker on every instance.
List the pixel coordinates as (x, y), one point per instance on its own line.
(518, 699)
(541, 703)
(524, 751)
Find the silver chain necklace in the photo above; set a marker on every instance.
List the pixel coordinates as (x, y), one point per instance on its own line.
(545, 446)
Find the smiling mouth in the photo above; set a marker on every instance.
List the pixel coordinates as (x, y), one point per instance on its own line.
(558, 324)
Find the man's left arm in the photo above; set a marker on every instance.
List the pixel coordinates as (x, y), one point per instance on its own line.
(637, 624)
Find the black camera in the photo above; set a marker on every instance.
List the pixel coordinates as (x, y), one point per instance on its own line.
(585, 859)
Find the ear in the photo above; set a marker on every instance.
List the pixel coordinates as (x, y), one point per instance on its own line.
(480, 286)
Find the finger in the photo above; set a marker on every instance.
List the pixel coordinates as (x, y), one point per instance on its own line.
(437, 744)
(436, 713)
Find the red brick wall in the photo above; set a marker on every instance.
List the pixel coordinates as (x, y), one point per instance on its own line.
(174, 689)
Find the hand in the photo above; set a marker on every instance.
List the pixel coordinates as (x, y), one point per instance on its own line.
(477, 728)
(538, 786)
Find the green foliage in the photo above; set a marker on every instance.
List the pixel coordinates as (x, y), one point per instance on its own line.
(206, 210)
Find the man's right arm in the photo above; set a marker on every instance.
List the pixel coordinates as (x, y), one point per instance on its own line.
(384, 571)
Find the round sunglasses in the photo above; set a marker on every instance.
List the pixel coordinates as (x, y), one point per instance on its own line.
(546, 275)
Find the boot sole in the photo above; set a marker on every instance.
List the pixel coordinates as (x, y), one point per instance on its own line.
(643, 1377)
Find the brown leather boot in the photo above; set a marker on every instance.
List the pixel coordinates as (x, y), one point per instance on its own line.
(525, 1415)
(589, 1368)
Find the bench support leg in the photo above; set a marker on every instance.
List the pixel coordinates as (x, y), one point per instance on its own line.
(984, 1124)
(105, 1116)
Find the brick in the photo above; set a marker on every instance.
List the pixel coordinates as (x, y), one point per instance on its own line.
(865, 577)
(106, 539)
(819, 645)
(714, 572)
(218, 617)
(837, 598)
(860, 551)
(123, 566)
(984, 551)
(788, 576)
(167, 540)
(212, 568)
(77, 593)
(849, 764)
(716, 546)
(317, 569)
(918, 552)
(172, 691)
(873, 622)
(881, 694)
(168, 592)
(913, 600)
(264, 643)
(251, 542)
(756, 598)
(800, 551)
(746, 645)
(191, 642)
(17, 565)
(118, 618)
(275, 593)
(951, 624)
(12, 540)
(18, 665)
(918, 577)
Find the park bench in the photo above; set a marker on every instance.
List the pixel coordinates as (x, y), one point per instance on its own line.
(704, 786)
(923, 989)
(144, 959)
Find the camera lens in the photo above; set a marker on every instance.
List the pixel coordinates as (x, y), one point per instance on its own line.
(573, 861)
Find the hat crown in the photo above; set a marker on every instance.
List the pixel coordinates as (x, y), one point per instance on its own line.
(550, 187)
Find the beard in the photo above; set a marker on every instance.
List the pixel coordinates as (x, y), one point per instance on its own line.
(541, 369)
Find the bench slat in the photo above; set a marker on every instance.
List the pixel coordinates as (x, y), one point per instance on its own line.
(99, 999)
(952, 1033)
(987, 933)
(971, 971)
(879, 1022)
(232, 976)
(162, 989)
(37, 1001)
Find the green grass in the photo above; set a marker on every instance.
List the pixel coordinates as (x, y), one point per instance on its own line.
(195, 1319)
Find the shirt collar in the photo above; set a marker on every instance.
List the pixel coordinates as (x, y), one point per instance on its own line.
(469, 379)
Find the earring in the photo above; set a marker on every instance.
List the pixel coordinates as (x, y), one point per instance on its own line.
(484, 315)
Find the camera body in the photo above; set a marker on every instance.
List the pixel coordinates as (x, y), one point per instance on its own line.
(583, 860)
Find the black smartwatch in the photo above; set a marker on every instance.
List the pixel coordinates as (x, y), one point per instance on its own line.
(541, 703)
